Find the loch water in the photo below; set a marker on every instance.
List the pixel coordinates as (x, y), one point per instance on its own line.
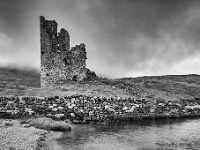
(164, 134)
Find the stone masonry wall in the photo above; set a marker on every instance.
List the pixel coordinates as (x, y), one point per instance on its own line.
(58, 62)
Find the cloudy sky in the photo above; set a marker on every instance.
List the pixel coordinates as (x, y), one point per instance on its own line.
(124, 38)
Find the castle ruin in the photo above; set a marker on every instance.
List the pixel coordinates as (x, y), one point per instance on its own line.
(58, 62)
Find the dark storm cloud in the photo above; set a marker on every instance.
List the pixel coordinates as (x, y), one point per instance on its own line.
(16, 33)
(136, 35)
(14, 15)
(122, 37)
(121, 23)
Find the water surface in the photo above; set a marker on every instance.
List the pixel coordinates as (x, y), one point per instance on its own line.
(145, 134)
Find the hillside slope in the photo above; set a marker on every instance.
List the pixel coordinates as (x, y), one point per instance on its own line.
(170, 87)
(10, 78)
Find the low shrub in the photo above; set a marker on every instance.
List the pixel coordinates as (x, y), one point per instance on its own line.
(49, 124)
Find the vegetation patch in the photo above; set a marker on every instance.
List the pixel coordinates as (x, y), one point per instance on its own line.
(49, 124)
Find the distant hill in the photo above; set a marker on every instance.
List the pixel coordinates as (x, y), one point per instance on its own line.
(170, 87)
(10, 78)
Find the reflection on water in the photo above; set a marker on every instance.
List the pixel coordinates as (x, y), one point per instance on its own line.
(145, 134)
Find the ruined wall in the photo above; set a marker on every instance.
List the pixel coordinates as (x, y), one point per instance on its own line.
(78, 62)
(58, 62)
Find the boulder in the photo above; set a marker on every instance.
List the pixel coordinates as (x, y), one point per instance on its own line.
(26, 125)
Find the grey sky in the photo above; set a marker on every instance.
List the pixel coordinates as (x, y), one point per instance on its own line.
(123, 37)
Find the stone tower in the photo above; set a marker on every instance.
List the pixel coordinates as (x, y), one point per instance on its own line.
(59, 63)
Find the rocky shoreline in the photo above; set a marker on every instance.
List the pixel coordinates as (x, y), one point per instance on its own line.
(48, 141)
(17, 136)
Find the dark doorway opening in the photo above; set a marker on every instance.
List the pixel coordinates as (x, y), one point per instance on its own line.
(74, 78)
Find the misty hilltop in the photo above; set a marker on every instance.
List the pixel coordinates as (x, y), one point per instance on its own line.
(170, 87)
(11, 78)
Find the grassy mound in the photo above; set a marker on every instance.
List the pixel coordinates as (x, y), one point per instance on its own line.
(168, 88)
(49, 124)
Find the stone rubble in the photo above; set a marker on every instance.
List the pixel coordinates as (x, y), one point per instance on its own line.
(84, 109)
